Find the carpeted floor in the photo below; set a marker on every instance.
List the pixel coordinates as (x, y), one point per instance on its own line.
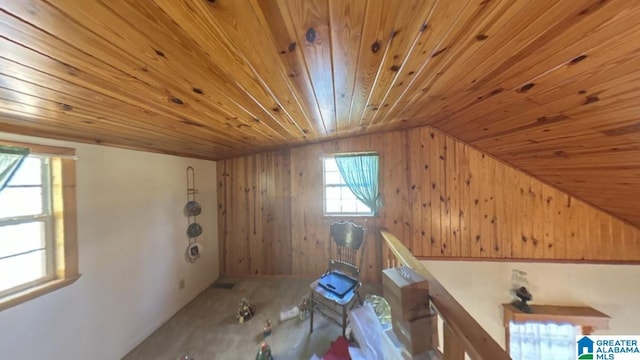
(207, 329)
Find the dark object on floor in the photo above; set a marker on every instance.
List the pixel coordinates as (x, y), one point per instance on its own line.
(524, 296)
(266, 331)
(264, 353)
(305, 308)
(245, 311)
(223, 285)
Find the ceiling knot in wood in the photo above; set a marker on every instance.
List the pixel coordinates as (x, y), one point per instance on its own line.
(439, 52)
(175, 100)
(591, 99)
(311, 35)
(526, 87)
(577, 59)
(375, 47)
(66, 107)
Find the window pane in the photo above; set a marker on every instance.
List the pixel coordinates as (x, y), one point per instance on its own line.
(330, 164)
(347, 195)
(332, 206)
(23, 269)
(332, 193)
(29, 173)
(348, 206)
(20, 201)
(15, 239)
(333, 178)
(362, 208)
(531, 341)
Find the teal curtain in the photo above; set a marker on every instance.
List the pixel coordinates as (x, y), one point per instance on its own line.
(11, 157)
(360, 172)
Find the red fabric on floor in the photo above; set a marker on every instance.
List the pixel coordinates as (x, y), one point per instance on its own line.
(339, 350)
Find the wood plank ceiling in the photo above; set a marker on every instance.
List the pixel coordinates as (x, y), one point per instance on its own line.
(552, 87)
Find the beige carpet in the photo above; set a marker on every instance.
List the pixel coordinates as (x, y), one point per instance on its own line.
(207, 328)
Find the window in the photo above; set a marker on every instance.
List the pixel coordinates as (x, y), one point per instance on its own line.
(338, 198)
(533, 340)
(549, 331)
(38, 251)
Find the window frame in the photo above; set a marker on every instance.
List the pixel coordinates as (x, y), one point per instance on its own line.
(371, 212)
(61, 225)
(45, 217)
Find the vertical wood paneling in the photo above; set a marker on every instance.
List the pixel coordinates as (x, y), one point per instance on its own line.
(465, 200)
(501, 244)
(475, 167)
(453, 196)
(468, 205)
(485, 206)
(427, 208)
(445, 215)
(520, 217)
(436, 193)
(415, 184)
(548, 203)
(538, 213)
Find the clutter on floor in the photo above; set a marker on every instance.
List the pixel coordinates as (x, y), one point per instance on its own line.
(339, 350)
(369, 334)
(245, 311)
(266, 330)
(289, 312)
(305, 308)
(264, 353)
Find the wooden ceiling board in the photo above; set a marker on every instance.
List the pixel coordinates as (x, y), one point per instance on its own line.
(436, 37)
(72, 77)
(186, 74)
(551, 87)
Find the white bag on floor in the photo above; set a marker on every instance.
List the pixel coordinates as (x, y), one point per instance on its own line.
(367, 331)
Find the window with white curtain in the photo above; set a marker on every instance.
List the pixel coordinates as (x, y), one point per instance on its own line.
(538, 341)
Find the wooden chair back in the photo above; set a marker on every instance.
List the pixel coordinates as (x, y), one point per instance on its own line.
(348, 240)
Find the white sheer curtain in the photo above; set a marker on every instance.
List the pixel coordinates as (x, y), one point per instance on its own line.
(542, 341)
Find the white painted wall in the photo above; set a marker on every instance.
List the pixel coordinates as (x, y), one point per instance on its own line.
(131, 238)
(482, 287)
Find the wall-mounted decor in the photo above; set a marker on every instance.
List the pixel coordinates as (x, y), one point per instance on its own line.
(192, 209)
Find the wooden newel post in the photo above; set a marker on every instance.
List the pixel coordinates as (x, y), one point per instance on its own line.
(453, 347)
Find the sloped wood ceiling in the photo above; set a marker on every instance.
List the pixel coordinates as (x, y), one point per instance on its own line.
(549, 86)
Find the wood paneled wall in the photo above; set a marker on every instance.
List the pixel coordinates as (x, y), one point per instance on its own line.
(442, 198)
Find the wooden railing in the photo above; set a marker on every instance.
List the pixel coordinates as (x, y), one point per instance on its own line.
(462, 334)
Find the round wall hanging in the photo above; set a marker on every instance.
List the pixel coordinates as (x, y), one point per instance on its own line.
(193, 208)
(194, 230)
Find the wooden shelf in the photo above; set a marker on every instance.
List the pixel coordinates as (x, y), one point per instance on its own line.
(586, 317)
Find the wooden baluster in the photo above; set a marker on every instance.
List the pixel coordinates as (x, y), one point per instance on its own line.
(453, 348)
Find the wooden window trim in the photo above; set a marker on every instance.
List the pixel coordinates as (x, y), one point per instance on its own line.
(587, 318)
(63, 187)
